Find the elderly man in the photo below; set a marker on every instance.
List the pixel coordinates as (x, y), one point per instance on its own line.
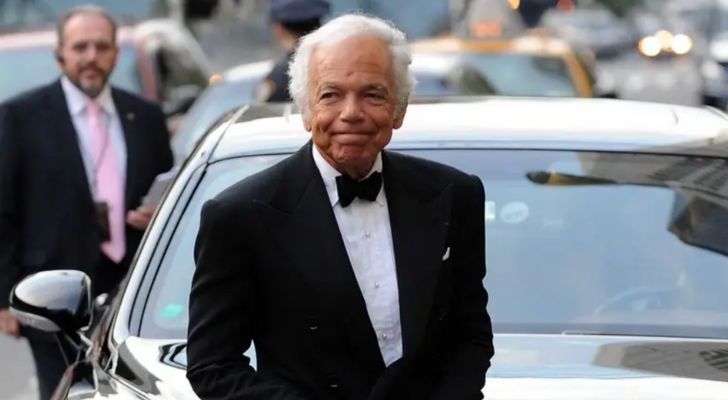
(356, 271)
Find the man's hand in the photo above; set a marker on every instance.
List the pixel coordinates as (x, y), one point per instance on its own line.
(8, 324)
(140, 217)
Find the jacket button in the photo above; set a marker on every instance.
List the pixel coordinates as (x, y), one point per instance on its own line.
(333, 383)
(312, 323)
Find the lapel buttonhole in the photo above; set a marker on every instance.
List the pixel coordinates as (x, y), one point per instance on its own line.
(130, 116)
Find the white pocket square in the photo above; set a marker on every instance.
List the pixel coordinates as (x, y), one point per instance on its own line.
(446, 255)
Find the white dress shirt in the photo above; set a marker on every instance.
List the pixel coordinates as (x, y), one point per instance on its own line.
(364, 226)
(77, 102)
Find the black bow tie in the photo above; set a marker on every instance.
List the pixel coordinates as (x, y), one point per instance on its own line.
(366, 189)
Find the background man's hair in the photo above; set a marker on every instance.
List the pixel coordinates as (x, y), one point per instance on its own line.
(84, 9)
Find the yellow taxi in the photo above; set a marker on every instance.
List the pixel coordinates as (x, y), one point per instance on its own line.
(532, 64)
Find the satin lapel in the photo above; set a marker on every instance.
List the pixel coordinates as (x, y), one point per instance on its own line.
(419, 216)
(132, 136)
(316, 249)
(66, 140)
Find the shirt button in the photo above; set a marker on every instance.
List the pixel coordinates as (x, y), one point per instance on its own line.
(376, 285)
(385, 337)
(367, 234)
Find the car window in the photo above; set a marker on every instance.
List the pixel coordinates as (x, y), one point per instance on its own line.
(213, 103)
(39, 67)
(509, 74)
(166, 313)
(573, 243)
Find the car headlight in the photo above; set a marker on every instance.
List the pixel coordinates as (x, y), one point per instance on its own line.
(650, 46)
(681, 44)
(665, 39)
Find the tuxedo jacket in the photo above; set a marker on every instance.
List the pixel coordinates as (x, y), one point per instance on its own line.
(272, 268)
(47, 213)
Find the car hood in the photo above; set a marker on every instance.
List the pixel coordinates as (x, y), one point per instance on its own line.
(534, 367)
(594, 367)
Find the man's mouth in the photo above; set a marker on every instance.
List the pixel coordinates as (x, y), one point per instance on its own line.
(91, 71)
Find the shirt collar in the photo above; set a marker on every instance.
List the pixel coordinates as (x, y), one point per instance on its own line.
(329, 174)
(78, 100)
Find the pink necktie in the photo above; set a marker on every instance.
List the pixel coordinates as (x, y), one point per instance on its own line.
(109, 185)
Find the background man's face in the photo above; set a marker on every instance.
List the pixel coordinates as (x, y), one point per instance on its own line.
(88, 52)
(352, 101)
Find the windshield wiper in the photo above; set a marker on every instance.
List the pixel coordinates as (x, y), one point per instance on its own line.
(556, 178)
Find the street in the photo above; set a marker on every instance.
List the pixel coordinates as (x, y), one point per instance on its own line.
(674, 81)
(17, 378)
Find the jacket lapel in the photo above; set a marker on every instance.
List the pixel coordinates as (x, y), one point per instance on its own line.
(66, 141)
(307, 225)
(129, 125)
(419, 215)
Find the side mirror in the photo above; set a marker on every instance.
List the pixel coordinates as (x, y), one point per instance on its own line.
(54, 301)
(180, 100)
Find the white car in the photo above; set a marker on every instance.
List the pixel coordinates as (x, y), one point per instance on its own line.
(606, 225)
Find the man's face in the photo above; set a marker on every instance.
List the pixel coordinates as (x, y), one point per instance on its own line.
(352, 100)
(88, 52)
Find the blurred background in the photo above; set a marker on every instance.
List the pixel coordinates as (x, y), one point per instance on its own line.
(199, 58)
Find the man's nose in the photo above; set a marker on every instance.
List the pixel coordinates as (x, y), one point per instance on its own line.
(352, 111)
(91, 53)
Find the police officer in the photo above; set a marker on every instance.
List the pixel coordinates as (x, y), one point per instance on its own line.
(290, 20)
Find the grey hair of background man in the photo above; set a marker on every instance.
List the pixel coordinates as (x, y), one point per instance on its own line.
(342, 28)
(84, 9)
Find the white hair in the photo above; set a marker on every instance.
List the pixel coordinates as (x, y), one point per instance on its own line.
(339, 29)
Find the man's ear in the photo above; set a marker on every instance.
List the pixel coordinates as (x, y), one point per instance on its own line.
(399, 118)
(306, 117)
(58, 56)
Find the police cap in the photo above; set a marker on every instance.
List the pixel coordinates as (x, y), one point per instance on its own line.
(298, 10)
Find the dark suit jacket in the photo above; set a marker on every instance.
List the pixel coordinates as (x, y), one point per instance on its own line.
(272, 267)
(47, 218)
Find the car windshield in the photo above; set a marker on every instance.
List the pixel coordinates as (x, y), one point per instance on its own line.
(24, 13)
(212, 104)
(576, 242)
(508, 74)
(39, 67)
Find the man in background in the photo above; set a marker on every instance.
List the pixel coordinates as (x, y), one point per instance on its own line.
(76, 158)
(291, 20)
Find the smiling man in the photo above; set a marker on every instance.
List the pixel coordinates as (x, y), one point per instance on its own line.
(356, 271)
(76, 158)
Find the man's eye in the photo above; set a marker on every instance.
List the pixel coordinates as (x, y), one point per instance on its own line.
(328, 95)
(375, 95)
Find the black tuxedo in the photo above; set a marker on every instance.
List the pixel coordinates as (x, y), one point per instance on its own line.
(272, 267)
